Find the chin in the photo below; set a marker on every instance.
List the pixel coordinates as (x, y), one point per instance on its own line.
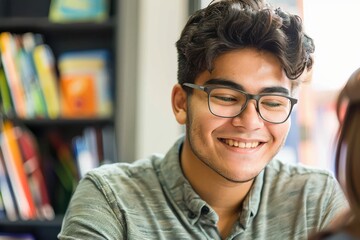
(239, 177)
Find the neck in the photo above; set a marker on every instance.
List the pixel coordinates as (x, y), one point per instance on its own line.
(224, 196)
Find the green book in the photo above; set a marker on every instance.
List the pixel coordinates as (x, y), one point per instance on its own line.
(6, 102)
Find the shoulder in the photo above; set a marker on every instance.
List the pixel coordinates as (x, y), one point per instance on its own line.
(307, 183)
(287, 171)
(129, 169)
(303, 192)
(122, 176)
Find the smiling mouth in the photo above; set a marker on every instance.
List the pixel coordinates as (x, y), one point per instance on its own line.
(244, 145)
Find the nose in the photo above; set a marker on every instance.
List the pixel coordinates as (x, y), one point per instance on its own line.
(249, 118)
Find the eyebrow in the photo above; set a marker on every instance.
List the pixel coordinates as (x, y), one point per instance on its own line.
(231, 84)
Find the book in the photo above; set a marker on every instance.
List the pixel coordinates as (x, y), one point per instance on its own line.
(14, 167)
(76, 11)
(33, 170)
(7, 193)
(78, 96)
(62, 169)
(8, 49)
(24, 72)
(90, 135)
(83, 156)
(87, 69)
(32, 87)
(44, 61)
(109, 144)
(6, 101)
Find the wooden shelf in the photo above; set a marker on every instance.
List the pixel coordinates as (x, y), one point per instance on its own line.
(43, 24)
(63, 121)
(35, 227)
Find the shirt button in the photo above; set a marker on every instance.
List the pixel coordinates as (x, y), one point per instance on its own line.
(205, 210)
(191, 215)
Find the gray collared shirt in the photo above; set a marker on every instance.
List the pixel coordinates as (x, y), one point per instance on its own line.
(151, 199)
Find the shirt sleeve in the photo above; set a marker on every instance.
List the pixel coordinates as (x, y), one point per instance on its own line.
(92, 214)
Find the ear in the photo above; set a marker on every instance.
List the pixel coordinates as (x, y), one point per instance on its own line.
(178, 100)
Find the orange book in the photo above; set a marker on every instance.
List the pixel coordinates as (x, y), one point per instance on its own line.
(78, 95)
(14, 165)
(94, 63)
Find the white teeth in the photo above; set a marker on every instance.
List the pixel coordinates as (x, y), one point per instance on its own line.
(234, 143)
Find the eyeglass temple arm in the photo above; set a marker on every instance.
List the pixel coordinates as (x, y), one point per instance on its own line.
(194, 86)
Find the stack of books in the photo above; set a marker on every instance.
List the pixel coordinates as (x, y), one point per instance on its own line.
(24, 194)
(36, 185)
(34, 85)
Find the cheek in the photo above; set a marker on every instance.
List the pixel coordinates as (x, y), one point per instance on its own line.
(280, 131)
(201, 123)
(198, 115)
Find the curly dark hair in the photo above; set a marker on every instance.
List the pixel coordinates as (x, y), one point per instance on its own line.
(236, 24)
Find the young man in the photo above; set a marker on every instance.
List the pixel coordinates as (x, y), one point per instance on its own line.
(240, 62)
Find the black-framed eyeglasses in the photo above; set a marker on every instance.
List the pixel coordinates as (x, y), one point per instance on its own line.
(228, 102)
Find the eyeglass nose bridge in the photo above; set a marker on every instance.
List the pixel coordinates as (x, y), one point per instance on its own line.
(248, 98)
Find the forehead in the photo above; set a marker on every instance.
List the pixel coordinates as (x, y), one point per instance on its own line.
(250, 68)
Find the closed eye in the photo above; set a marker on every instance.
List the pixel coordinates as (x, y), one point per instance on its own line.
(225, 98)
(272, 104)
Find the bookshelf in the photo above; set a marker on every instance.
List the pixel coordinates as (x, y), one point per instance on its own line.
(19, 17)
(39, 229)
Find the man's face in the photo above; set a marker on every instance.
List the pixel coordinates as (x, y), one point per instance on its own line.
(238, 148)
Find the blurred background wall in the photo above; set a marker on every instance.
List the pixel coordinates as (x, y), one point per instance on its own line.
(148, 34)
